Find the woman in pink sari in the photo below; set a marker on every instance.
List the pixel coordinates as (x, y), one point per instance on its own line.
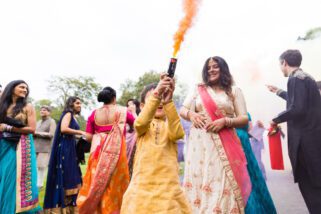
(133, 107)
(216, 178)
(107, 175)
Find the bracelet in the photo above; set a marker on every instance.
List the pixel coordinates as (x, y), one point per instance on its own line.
(229, 121)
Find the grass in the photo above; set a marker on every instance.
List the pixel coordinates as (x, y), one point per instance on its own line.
(42, 191)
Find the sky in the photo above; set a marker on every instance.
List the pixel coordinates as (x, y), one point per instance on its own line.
(115, 40)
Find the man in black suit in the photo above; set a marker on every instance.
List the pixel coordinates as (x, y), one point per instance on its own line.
(303, 117)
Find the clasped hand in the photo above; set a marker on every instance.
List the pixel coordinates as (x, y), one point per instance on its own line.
(165, 88)
(199, 121)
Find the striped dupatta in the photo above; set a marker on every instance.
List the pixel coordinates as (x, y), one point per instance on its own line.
(104, 157)
(26, 186)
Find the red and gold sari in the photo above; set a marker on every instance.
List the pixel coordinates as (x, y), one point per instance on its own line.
(107, 175)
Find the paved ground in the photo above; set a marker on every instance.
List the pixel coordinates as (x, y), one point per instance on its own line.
(285, 193)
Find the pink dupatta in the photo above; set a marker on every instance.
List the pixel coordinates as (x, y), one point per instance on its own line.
(231, 144)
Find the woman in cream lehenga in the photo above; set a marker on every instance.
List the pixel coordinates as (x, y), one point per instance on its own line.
(217, 179)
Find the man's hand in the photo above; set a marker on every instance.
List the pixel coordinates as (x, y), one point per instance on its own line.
(272, 88)
(273, 124)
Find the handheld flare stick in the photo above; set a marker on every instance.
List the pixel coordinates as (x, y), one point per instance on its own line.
(172, 67)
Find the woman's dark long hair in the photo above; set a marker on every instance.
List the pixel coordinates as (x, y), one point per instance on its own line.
(69, 105)
(6, 99)
(225, 79)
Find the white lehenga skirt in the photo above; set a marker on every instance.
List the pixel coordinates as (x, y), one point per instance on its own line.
(208, 181)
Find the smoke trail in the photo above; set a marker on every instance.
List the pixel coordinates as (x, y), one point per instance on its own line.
(190, 10)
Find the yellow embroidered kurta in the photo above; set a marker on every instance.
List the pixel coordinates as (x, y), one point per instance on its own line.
(155, 186)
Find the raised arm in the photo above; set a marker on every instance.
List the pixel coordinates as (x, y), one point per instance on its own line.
(146, 116)
(297, 101)
(281, 93)
(175, 128)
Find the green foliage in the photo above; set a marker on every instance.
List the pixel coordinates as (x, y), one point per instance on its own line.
(180, 93)
(312, 34)
(131, 89)
(83, 87)
(62, 87)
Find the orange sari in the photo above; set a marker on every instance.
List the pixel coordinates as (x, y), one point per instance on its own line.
(107, 175)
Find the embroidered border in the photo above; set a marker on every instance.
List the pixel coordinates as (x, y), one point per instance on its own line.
(26, 173)
(228, 171)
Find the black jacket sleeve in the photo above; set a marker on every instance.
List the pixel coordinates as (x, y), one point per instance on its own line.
(283, 94)
(296, 100)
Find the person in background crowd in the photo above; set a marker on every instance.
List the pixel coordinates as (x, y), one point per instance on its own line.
(64, 175)
(107, 174)
(257, 144)
(45, 131)
(18, 172)
(133, 106)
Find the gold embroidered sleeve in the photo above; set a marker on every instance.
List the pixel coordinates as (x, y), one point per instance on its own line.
(146, 116)
(239, 103)
(175, 128)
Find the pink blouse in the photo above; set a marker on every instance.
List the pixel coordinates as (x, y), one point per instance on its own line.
(92, 127)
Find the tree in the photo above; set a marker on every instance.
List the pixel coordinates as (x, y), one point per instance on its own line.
(311, 34)
(128, 92)
(83, 87)
(131, 89)
(56, 112)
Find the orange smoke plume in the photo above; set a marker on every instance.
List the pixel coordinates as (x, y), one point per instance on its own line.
(190, 10)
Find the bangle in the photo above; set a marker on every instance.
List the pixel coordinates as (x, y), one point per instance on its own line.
(228, 122)
(232, 122)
